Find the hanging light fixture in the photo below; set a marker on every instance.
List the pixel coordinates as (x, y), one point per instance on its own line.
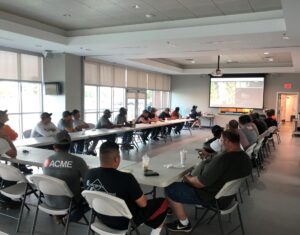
(217, 72)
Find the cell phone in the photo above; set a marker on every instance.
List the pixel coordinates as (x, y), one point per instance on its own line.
(150, 173)
(25, 151)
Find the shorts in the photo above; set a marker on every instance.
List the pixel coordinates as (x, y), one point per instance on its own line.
(183, 193)
(153, 215)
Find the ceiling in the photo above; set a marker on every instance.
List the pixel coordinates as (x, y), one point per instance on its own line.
(82, 14)
(199, 30)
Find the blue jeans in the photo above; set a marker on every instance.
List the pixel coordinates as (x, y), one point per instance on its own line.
(183, 193)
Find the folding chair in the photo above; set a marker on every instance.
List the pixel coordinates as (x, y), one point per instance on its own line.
(249, 152)
(231, 188)
(18, 191)
(106, 204)
(48, 185)
(272, 130)
(27, 133)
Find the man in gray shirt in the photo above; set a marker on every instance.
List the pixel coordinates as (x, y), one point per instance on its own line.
(78, 123)
(45, 127)
(248, 129)
(67, 167)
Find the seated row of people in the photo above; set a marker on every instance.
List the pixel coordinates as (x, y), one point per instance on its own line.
(72, 122)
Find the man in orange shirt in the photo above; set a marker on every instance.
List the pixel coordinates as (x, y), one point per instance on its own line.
(176, 115)
(12, 135)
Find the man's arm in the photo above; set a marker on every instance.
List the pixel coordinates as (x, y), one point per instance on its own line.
(142, 201)
(193, 181)
(12, 152)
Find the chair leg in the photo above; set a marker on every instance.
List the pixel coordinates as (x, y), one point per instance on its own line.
(241, 221)
(21, 211)
(35, 219)
(247, 185)
(197, 223)
(211, 218)
(220, 223)
(68, 219)
(240, 193)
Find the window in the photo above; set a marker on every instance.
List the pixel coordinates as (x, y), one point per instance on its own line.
(99, 98)
(21, 89)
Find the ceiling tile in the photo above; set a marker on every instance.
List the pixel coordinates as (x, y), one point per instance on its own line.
(265, 5)
(233, 6)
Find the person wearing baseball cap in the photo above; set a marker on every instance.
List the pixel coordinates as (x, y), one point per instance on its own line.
(67, 167)
(104, 122)
(45, 127)
(12, 135)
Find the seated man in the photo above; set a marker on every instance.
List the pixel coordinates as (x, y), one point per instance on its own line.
(231, 164)
(66, 124)
(270, 121)
(259, 123)
(176, 115)
(45, 127)
(121, 120)
(104, 122)
(144, 118)
(233, 126)
(153, 118)
(6, 147)
(67, 167)
(108, 179)
(78, 123)
(164, 115)
(12, 135)
(248, 128)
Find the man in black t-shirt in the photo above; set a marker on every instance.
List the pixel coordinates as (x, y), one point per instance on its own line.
(123, 185)
(164, 115)
(231, 164)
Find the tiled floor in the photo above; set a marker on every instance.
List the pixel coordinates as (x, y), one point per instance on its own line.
(273, 207)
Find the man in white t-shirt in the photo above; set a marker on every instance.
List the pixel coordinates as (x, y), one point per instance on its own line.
(45, 127)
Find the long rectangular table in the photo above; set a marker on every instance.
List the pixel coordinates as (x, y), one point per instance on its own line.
(44, 141)
(37, 157)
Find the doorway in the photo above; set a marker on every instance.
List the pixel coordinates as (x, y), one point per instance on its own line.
(287, 106)
(136, 103)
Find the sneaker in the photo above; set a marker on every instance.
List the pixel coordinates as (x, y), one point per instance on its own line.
(176, 226)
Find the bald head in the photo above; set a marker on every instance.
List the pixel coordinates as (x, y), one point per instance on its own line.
(109, 155)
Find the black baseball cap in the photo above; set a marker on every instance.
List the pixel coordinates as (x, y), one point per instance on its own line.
(107, 111)
(62, 138)
(2, 112)
(66, 113)
(46, 115)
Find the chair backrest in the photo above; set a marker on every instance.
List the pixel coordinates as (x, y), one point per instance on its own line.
(27, 133)
(272, 129)
(106, 204)
(91, 125)
(51, 186)
(250, 149)
(11, 173)
(230, 188)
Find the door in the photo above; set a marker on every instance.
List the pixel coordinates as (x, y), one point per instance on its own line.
(287, 106)
(136, 103)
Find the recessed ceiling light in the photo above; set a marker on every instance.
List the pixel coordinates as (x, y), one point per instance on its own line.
(266, 53)
(136, 6)
(149, 16)
(229, 61)
(285, 37)
(192, 61)
(67, 15)
(270, 59)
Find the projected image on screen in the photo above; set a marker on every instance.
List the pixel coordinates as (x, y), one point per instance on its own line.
(237, 92)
